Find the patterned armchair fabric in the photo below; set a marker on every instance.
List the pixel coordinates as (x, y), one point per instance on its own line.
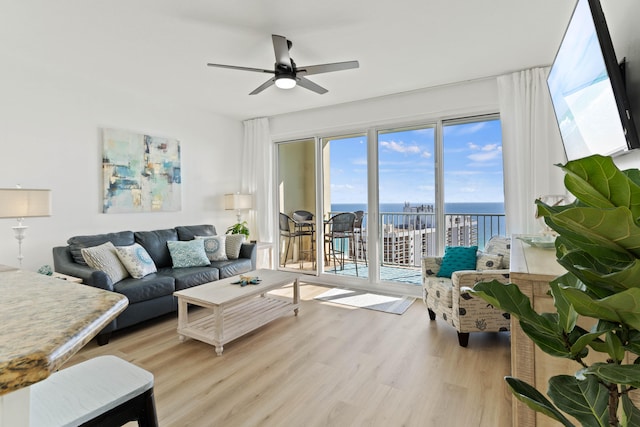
(448, 299)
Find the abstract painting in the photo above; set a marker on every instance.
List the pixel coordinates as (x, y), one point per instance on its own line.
(141, 173)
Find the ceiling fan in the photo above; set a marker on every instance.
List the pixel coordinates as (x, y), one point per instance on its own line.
(287, 74)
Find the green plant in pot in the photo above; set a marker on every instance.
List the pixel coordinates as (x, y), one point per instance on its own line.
(598, 244)
(239, 228)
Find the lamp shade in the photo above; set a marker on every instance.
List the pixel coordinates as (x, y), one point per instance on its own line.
(238, 201)
(24, 203)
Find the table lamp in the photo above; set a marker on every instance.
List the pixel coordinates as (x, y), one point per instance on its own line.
(238, 202)
(21, 203)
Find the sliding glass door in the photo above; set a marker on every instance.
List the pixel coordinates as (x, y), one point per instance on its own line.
(473, 181)
(344, 201)
(297, 205)
(406, 201)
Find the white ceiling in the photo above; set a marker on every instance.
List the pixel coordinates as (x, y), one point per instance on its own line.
(159, 48)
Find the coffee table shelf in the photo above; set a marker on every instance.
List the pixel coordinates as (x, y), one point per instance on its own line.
(236, 310)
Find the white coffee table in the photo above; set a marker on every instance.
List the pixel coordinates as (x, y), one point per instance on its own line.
(236, 310)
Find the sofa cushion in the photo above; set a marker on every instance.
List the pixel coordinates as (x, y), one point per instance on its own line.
(155, 242)
(457, 258)
(214, 247)
(76, 243)
(232, 267)
(136, 260)
(105, 258)
(188, 254)
(147, 288)
(189, 232)
(232, 245)
(191, 276)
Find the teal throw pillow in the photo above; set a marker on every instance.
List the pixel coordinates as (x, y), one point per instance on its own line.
(457, 258)
(188, 254)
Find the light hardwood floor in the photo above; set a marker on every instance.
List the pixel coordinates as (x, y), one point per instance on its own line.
(329, 366)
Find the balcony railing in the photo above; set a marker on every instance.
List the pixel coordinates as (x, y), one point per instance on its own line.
(409, 236)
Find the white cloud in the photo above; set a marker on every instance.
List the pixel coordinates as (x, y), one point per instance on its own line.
(400, 147)
(484, 153)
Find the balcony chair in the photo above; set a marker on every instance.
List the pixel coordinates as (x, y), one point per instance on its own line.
(305, 226)
(341, 226)
(288, 232)
(447, 297)
(357, 227)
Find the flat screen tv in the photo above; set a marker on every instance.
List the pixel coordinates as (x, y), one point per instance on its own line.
(587, 88)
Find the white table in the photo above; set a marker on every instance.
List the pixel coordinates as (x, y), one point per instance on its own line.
(235, 310)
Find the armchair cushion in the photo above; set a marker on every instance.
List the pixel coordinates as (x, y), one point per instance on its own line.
(486, 261)
(502, 246)
(457, 258)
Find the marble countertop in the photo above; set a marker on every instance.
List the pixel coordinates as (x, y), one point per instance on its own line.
(45, 321)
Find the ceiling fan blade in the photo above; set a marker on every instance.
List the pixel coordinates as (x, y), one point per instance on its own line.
(327, 68)
(263, 86)
(308, 84)
(234, 67)
(281, 48)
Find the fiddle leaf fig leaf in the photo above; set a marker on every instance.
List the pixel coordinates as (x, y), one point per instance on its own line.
(630, 413)
(567, 316)
(614, 347)
(597, 181)
(509, 298)
(622, 307)
(611, 233)
(628, 375)
(536, 400)
(586, 400)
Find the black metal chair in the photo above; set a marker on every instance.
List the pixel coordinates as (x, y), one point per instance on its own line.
(341, 226)
(305, 226)
(285, 223)
(359, 231)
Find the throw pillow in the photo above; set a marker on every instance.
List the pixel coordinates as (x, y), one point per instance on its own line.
(105, 258)
(233, 245)
(188, 254)
(214, 247)
(457, 258)
(136, 259)
(487, 261)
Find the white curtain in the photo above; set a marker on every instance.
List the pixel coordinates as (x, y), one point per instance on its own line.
(531, 147)
(257, 177)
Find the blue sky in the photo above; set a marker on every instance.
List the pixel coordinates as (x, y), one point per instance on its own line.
(472, 165)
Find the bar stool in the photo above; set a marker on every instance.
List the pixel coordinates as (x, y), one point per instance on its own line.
(104, 391)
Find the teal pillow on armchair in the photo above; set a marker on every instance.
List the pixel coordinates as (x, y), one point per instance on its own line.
(457, 258)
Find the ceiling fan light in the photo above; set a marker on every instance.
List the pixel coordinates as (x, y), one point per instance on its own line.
(285, 82)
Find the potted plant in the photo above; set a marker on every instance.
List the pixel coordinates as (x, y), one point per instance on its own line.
(598, 244)
(239, 228)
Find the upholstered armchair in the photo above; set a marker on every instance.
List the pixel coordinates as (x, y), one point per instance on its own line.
(448, 297)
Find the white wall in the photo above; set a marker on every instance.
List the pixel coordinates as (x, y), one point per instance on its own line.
(466, 98)
(49, 134)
